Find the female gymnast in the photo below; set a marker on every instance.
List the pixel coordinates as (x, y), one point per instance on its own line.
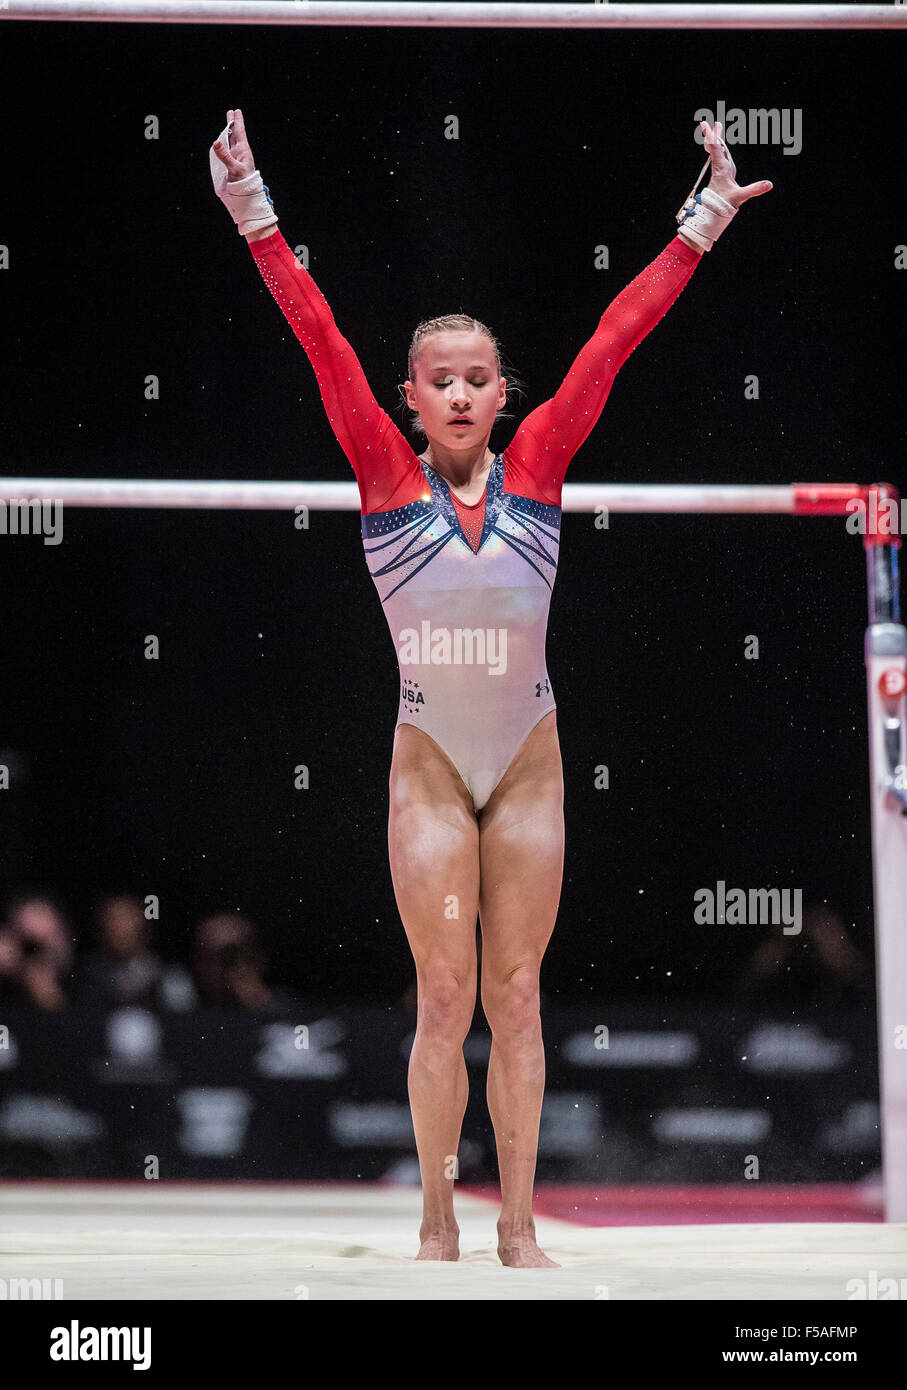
(462, 545)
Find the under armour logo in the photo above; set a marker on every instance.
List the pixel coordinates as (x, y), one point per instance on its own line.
(539, 687)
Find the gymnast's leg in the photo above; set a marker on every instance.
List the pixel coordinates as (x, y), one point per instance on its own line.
(521, 855)
(433, 840)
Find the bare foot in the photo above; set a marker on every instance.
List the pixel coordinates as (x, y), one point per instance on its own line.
(442, 1245)
(518, 1249)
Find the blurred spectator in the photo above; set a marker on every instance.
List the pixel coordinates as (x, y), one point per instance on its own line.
(821, 966)
(124, 970)
(36, 953)
(10, 961)
(230, 967)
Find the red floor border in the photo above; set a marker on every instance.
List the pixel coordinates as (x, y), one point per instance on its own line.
(590, 1204)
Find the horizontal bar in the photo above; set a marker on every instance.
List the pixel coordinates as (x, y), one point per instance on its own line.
(817, 499)
(448, 14)
(161, 492)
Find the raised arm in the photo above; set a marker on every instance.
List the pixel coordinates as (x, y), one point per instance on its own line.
(547, 440)
(549, 437)
(385, 466)
(383, 462)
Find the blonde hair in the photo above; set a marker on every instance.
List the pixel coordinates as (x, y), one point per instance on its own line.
(452, 323)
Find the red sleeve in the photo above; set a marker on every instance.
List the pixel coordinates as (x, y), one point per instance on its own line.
(543, 446)
(387, 469)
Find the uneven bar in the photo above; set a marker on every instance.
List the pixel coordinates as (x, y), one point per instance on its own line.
(447, 14)
(792, 498)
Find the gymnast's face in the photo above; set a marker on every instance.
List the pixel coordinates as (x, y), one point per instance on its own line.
(456, 375)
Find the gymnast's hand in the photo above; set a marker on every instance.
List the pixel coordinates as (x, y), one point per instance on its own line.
(723, 180)
(238, 158)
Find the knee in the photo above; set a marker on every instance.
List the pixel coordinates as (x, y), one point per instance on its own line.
(446, 1004)
(511, 1002)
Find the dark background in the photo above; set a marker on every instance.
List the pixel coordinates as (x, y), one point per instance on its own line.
(175, 777)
